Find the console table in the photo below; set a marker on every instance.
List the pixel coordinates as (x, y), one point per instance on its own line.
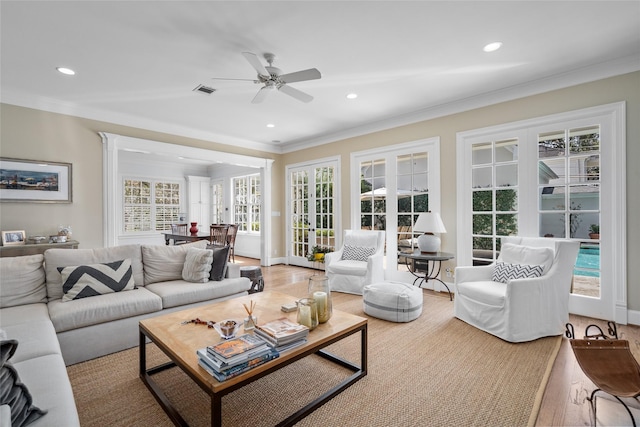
(35, 248)
(426, 266)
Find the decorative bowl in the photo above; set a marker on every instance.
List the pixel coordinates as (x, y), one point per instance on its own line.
(227, 328)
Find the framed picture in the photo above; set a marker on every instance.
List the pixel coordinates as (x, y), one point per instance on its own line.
(17, 237)
(34, 181)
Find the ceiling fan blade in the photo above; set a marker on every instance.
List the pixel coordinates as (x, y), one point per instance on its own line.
(242, 80)
(297, 94)
(261, 95)
(300, 76)
(255, 63)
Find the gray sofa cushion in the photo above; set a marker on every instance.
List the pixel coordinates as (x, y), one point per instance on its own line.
(37, 338)
(178, 292)
(22, 281)
(54, 258)
(20, 315)
(49, 385)
(13, 392)
(162, 263)
(103, 308)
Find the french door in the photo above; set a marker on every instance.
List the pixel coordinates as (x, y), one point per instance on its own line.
(312, 204)
(394, 185)
(560, 176)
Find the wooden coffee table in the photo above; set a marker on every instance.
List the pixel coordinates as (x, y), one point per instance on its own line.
(180, 342)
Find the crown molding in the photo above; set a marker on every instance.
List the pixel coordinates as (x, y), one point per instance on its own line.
(571, 78)
(588, 74)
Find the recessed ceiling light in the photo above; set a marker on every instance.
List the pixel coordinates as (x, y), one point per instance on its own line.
(492, 46)
(67, 71)
(352, 96)
(271, 125)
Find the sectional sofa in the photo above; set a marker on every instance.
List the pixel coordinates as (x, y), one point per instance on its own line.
(72, 305)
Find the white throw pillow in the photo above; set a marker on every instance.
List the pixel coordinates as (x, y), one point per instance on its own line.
(362, 239)
(197, 265)
(517, 254)
(163, 263)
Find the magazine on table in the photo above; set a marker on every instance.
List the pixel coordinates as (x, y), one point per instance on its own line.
(237, 349)
(237, 369)
(281, 331)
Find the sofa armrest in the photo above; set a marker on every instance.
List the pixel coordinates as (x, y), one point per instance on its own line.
(473, 273)
(233, 270)
(332, 257)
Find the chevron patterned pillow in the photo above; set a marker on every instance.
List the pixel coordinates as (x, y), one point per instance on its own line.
(503, 272)
(357, 253)
(96, 279)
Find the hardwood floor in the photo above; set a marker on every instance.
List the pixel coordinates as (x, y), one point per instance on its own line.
(564, 402)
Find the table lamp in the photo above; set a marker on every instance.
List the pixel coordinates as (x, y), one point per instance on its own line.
(429, 223)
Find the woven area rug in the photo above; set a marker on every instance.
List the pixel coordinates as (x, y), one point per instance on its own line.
(436, 371)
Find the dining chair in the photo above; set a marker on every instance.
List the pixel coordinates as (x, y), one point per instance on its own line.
(218, 234)
(231, 241)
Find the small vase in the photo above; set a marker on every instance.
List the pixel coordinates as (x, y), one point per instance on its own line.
(194, 228)
(307, 313)
(250, 323)
(319, 290)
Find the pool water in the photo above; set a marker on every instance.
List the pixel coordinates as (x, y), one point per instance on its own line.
(588, 262)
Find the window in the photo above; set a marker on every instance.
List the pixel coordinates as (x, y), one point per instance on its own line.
(147, 210)
(559, 176)
(246, 205)
(494, 181)
(217, 203)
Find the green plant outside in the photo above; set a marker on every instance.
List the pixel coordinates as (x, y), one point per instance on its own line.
(506, 223)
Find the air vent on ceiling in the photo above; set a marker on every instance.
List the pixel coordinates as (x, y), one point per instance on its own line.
(204, 89)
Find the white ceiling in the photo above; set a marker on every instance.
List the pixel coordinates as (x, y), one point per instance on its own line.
(138, 62)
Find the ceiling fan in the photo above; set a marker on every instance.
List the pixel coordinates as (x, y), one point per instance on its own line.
(273, 79)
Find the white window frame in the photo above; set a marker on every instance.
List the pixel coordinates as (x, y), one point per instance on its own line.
(217, 202)
(250, 203)
(612, 193)
(390, 153)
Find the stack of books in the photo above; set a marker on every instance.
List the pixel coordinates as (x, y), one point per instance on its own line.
(232, 357)
(282, 334)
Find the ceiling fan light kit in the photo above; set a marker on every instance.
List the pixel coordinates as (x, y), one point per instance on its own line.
(272, 78)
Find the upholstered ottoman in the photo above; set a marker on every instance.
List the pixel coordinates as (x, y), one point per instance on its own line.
(393, 301)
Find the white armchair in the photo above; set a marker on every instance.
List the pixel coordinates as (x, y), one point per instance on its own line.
(359, 262)
(524, 308)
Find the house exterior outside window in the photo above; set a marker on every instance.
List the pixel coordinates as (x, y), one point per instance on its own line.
(247, 201)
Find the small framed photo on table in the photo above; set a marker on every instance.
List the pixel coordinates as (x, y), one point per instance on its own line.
(17, 237)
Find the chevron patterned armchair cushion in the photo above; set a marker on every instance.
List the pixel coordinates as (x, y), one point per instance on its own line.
(503, 272)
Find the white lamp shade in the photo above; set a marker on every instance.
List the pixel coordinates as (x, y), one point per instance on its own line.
(429, 222)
